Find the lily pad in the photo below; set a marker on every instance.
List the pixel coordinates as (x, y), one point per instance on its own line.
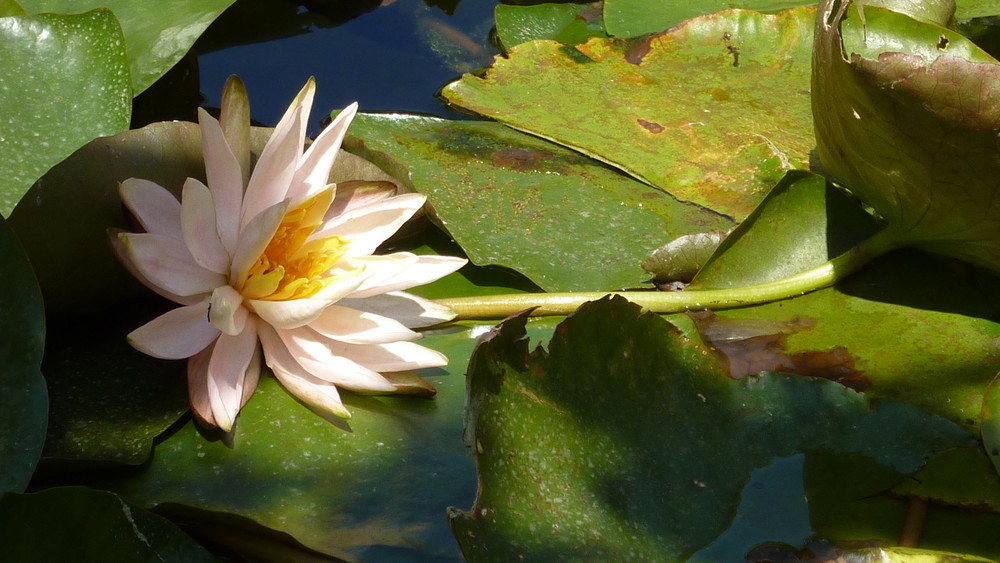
(561, 219)
(23, 395)
(632, 18)
(79, 524)
(157, 34)
(65, 81)
(565, 23)
(632, 443)
(691, 111)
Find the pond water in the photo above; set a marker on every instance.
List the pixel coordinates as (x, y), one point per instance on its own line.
(392, 58)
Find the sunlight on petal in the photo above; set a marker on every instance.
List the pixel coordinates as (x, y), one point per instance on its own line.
(177, 334)
(371, 225)
(225, 179)
(314, 170)
(156, 209)
(167, 263)
(358, 327)
(410, 310)
(198, 224)
(227, 374)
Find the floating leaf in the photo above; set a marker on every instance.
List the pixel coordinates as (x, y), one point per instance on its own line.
(23, 396)
(691, 111)
(680, 259)
(565, 23)
(632, 18)
(79, 524)
(561, 219)
(630, 443)
(63, 81)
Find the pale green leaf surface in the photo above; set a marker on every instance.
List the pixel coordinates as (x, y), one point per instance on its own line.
(64, 80)
(561, 219)
(632, 18)
(691, 111)
(565, 23)
(157, 34)
(637, 446)
(23, 395)
(966, 9)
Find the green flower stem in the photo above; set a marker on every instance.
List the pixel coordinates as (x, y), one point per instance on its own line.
(546, 304)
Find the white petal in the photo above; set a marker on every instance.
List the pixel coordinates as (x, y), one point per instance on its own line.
(355, 194)
(275, 168)
(227, 372)
(252, 376)
(254, 238)
(298, 312)
(200, 233)
(226, 311)
(119, 248)
(369, 226)
(156, 209)
(177, 334)
(358, 327)
(314, 168)
(314, 392)
(167, 263)
(311, 351)
(225, 178)
(410, 310)
(422, 270)
(393, 356)
(197, 371)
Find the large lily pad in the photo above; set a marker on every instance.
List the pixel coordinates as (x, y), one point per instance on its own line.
(691, 111)
(23, 396)
(157, 34)
(561, 219)
(64, 80)
(634, 444)
(632, 18)
(906, 115)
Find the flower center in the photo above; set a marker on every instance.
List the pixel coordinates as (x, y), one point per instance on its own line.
(293, 266)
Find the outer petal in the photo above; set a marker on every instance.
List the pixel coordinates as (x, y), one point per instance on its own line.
(167, 263)
(176, 334)
(417, 271)
(200, 233)
(156, 209)
(358, 327)
(354, 194)
(254, 238)
(314, 168)
(393, 356)
(227, 372)
(310, 351)
(198, 386)
(119, 248)
(225, 179)
(408, 309)
(369, 226)
(299, 312)
(275, 168)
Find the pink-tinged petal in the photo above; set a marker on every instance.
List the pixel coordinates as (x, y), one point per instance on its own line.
(359, 193)
(311, 351)
(234, 118)
(369, 226)
(299, 312)
(275, 168)
(198, 224)
(252, 376)
(313, 172)
(410, 310)
(197, 371)
(309, 389)
(358, 327)
(254, 238)
(156, 209)
(177, 334)
(227, 372)
(393, 356)
(119, 248)
(166, 262)
(225, 178)
(226, 311)
(424, 269)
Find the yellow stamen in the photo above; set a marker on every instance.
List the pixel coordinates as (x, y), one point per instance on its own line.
(292, 266)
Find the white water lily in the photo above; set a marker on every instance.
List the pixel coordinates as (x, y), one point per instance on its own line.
(278, 264)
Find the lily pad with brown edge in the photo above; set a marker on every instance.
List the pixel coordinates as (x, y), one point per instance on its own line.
(64, 80)
(565, 221)
(565, 23)
(906, 115)
(713, 111)
(633, 443)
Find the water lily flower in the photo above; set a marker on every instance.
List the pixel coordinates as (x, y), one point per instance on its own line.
(277, 264)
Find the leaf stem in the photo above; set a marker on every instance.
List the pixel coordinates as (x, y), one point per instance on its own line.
(548, 304)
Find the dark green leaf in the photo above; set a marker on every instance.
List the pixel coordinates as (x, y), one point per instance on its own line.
(566, 23)
(632, 18)
(63, 81)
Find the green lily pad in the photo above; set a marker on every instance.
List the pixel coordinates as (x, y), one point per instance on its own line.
(965, 9)
(632, 443)
(692, 111)
(80, 524)
(561, 219)
(157, 34)
(71, 85)
(566, 23)
(23, 395)
(632, 18)
(904, 118)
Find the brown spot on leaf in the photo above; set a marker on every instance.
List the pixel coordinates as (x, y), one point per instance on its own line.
(750, 346)
(521, 160)
(637, 50)
(650, 126)
(942, 43)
